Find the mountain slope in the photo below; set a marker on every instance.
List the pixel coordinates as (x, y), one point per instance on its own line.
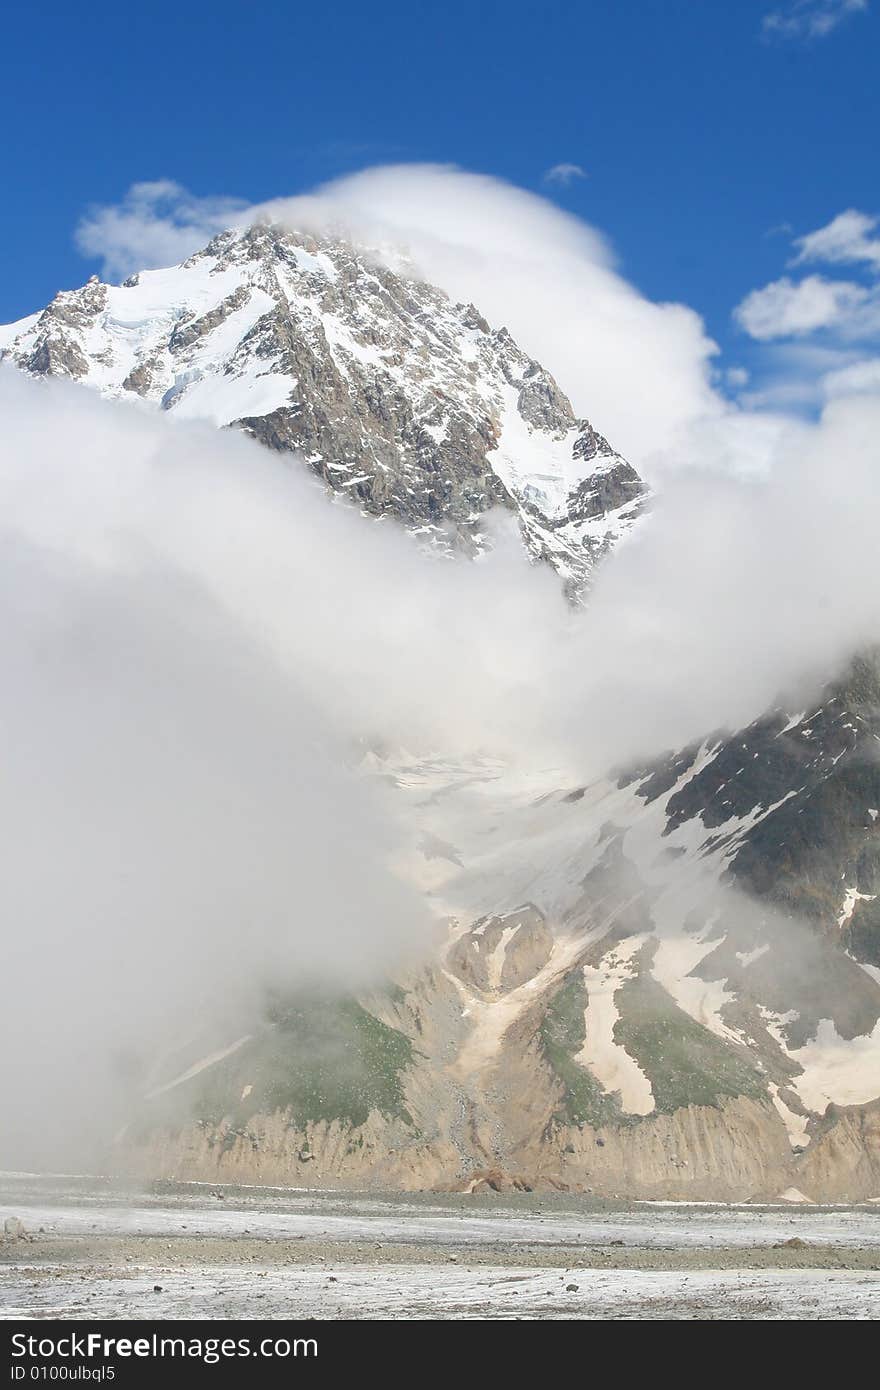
(400, 400)
(653, 986)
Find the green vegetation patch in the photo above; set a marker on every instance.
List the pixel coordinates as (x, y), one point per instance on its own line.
(562, 1035)
(318, 1058)
(684, 1062)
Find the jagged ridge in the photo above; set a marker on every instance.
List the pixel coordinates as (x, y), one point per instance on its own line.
(408, 404)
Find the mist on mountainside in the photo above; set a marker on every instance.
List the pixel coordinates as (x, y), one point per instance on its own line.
(199, 648)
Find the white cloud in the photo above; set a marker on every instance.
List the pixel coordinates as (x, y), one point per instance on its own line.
(296, 625)
(819, 326)
(639, 370)
(810, 19)
(157, 224)
(194, 641)
(564, 174)
(857, 377)
(551, 279)
(786, 309)
(758, 567)
(526, 264)
(737, 377)
(846, 238)
(790, 374)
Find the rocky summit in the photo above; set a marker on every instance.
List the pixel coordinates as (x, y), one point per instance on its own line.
(409, 405)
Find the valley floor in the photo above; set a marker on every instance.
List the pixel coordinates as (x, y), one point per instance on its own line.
(94, 1249)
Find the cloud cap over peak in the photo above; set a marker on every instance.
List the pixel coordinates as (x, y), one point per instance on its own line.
(526, 264)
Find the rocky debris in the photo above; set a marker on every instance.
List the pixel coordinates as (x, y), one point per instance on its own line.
(842, 1162)
(141, 378)
(491, 1180)
(590, 444)
(613, 488)
(499, 954)
(55, 346)
(540, 401)
(734, 1152)
(14, 1229)
(55, 355)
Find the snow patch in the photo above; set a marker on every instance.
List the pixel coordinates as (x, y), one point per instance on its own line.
(601, 1054)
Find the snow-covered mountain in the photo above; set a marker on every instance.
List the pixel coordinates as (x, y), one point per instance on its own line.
(409, 404)
(663, 984)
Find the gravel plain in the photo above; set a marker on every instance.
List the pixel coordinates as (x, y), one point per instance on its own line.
(98, 1249)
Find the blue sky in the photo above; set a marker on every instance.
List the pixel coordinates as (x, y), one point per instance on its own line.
(710, 134)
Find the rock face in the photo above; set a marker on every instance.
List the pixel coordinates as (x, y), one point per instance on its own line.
(409, 405)
(811, 783)
(499, 953)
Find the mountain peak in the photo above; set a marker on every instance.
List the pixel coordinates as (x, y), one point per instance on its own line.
(409, 404)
